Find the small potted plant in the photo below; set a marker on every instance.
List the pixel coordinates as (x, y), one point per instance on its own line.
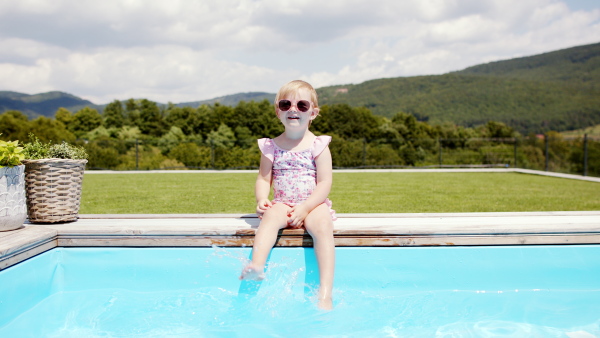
(53, 180)
(13, 210)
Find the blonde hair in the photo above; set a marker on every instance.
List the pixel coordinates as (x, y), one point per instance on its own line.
(293, 87)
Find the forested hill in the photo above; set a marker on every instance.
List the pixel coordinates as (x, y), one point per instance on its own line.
(578, 65)
(232, 100)
(44, 104)
(552, 91)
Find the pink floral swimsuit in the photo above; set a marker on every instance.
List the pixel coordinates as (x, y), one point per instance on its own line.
(294, 172)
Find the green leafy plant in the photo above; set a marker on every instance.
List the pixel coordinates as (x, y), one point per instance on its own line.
(36, 150)
(10, 153)
(66, 150)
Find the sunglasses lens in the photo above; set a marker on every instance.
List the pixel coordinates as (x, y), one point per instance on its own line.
(285, 105)
(303, 106)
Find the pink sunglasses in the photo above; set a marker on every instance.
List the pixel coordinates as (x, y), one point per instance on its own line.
(302, 105)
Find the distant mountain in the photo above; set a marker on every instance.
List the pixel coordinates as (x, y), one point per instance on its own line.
(552, 91)
(577, 65)
(44, 104)
(231, 100)
(558, 91)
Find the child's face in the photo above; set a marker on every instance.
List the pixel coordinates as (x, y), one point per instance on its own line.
(295, 117)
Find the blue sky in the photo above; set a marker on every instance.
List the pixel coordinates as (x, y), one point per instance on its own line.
(585, 5)
(186, 50)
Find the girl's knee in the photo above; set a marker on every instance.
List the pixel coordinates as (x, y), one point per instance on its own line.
(319, 228)
(319, 222)
(275, 216)
(276, 211)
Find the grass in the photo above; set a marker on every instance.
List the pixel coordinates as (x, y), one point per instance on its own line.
(351, 193)
(593, 131)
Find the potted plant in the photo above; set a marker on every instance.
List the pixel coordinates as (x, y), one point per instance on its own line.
(53, 179)
(13, 210)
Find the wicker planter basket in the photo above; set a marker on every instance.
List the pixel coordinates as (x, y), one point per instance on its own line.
(53, 189)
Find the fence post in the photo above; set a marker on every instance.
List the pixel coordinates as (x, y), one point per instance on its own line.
(546, 152)
(137, 155)
(440, 151)
(212, 154)
(364, 152)
(585, 155)
(515, 162)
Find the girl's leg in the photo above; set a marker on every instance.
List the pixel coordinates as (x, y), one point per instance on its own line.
(274, 219)
(320, 226)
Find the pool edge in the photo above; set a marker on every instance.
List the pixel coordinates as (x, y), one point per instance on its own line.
(237, 230)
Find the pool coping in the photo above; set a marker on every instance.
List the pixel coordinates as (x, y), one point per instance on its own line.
(237, 230)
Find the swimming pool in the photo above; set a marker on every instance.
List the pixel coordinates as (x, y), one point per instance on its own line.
(400, 291)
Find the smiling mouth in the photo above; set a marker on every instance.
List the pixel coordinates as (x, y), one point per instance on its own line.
(293, 117)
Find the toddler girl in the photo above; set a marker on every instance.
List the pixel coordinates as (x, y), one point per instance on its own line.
(298, 164)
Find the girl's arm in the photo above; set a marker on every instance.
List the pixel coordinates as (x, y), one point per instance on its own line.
(324, 181)
(263, 185)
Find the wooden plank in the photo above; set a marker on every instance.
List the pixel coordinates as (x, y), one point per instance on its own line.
(21, 244)
(352, 215)
(306, 241)
(157, 241)
(432, 225)
(579, 227)
(8, 261)
(15, 241)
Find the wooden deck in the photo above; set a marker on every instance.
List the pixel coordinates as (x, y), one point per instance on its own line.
(512, 228)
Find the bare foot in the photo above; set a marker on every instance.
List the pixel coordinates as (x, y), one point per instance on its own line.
(251, 272)
(325, 304)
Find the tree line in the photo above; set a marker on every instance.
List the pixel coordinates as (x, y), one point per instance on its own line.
(144, 135)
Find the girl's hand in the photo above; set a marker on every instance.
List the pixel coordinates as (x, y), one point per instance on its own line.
(296, 216)
(262, 206)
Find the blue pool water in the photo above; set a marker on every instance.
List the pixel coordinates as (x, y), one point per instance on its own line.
(546, 291)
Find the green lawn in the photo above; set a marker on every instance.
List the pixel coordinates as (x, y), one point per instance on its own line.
(156, 193)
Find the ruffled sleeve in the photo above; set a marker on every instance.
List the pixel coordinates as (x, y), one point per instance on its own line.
(267, 147)
(321, 142)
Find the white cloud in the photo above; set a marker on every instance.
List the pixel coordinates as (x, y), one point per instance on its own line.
(183, 50)
(21, 51)
(162, 73)
(456, 42)
(473, 28)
